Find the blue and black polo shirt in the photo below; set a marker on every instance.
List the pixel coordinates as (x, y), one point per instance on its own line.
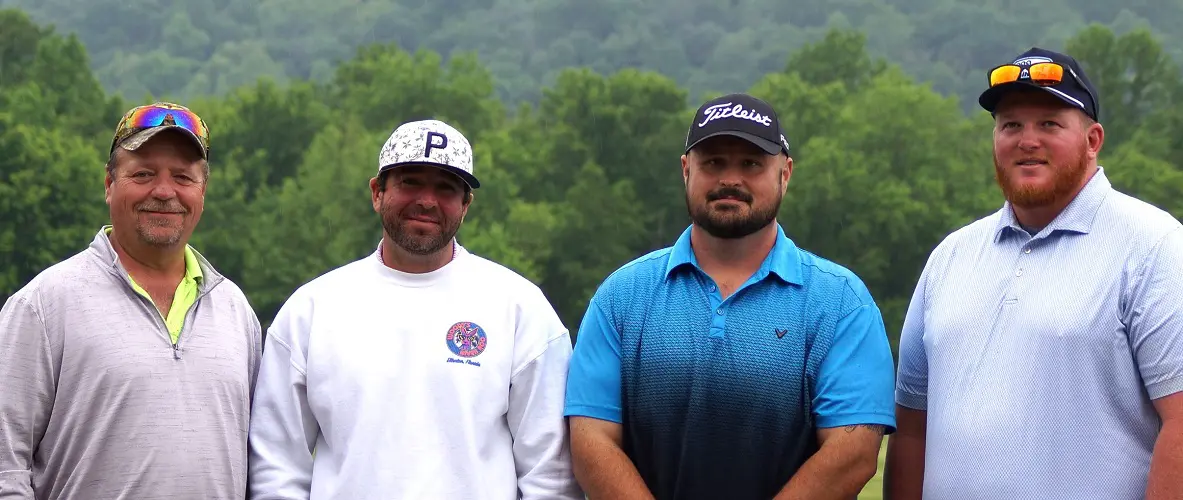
(722, 398)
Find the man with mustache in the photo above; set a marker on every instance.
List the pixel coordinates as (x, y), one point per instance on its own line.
(1042, 353)
(128, 368)
(420, 370)
(732, 364)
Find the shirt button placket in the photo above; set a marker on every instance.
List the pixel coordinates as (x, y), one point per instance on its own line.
(1019, 270)
(1012, 296)
(718, 324)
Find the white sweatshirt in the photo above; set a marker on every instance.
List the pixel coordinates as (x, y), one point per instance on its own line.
(444, 385)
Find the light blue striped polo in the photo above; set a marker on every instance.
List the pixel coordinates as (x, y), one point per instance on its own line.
(1038, 357)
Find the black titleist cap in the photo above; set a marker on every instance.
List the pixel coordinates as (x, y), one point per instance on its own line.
(738, 115)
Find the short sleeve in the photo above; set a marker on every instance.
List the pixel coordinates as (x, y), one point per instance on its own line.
(855, 380)
(593, 381)
(911, 389)
(1155, 318)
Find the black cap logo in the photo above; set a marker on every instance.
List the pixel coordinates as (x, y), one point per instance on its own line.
(729, 110)
(742, 116)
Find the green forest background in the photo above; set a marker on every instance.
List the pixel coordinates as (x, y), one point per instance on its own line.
(577, 110)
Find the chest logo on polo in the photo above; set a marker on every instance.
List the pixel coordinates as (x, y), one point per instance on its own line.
(780, 334)
(467, 340)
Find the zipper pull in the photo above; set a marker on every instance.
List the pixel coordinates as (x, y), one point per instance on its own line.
(176, 352)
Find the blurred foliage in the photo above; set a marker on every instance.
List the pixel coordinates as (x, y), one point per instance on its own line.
(575, 184)
(183, 49)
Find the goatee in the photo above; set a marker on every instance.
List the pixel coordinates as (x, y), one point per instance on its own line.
(413, 242)
(731, 224)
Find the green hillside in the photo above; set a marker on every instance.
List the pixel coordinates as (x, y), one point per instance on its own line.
(200, 47)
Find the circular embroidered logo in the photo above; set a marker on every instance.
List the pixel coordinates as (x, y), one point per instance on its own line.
(467, 339)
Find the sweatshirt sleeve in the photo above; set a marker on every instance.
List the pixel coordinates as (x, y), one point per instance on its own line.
(26, 395)
(541, 445)
(283, 431)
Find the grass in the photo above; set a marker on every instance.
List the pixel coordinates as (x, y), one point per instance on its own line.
(874, 489)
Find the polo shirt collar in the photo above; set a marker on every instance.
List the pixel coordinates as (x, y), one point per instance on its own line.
(1077, 217)
(192, 264)
(784, 260)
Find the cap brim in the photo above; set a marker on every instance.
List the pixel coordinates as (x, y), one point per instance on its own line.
(138, 139)
(760, 142)
(463, 175)
(990, 98)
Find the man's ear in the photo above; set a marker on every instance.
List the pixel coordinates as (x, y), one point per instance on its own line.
(685, 170)
(786, 173)
(109, 179)
(1095, 139)
(376, 194)
(468, 197)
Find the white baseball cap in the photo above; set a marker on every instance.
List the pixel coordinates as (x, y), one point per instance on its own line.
(429, 142)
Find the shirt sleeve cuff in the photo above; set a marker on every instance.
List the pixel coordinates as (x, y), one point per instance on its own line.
(913, 401)
(598, 412)
(1164, 388)
(884, 419)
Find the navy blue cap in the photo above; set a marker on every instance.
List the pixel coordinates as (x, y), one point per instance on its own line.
(1075, 90)
(738, 115)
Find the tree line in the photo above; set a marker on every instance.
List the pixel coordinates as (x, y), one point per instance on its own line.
(189, 48)
(573, 186)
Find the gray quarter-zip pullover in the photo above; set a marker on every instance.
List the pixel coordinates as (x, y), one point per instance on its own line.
(95, 401)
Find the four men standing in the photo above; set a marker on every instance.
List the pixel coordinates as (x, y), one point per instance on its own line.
(1041, 356)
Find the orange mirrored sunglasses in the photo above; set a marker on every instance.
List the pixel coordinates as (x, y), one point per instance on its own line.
(1042, 74)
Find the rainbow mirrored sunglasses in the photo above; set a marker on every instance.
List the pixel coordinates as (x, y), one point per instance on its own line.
(161, 114)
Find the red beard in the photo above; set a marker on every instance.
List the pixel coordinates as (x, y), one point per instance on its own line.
(1067, 177)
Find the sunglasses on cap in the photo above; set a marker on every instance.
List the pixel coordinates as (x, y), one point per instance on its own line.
(1043, 74)
(161, 114)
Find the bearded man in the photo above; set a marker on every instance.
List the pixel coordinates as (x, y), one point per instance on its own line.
(732, 364)
(1042, 353)
(421, 370)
